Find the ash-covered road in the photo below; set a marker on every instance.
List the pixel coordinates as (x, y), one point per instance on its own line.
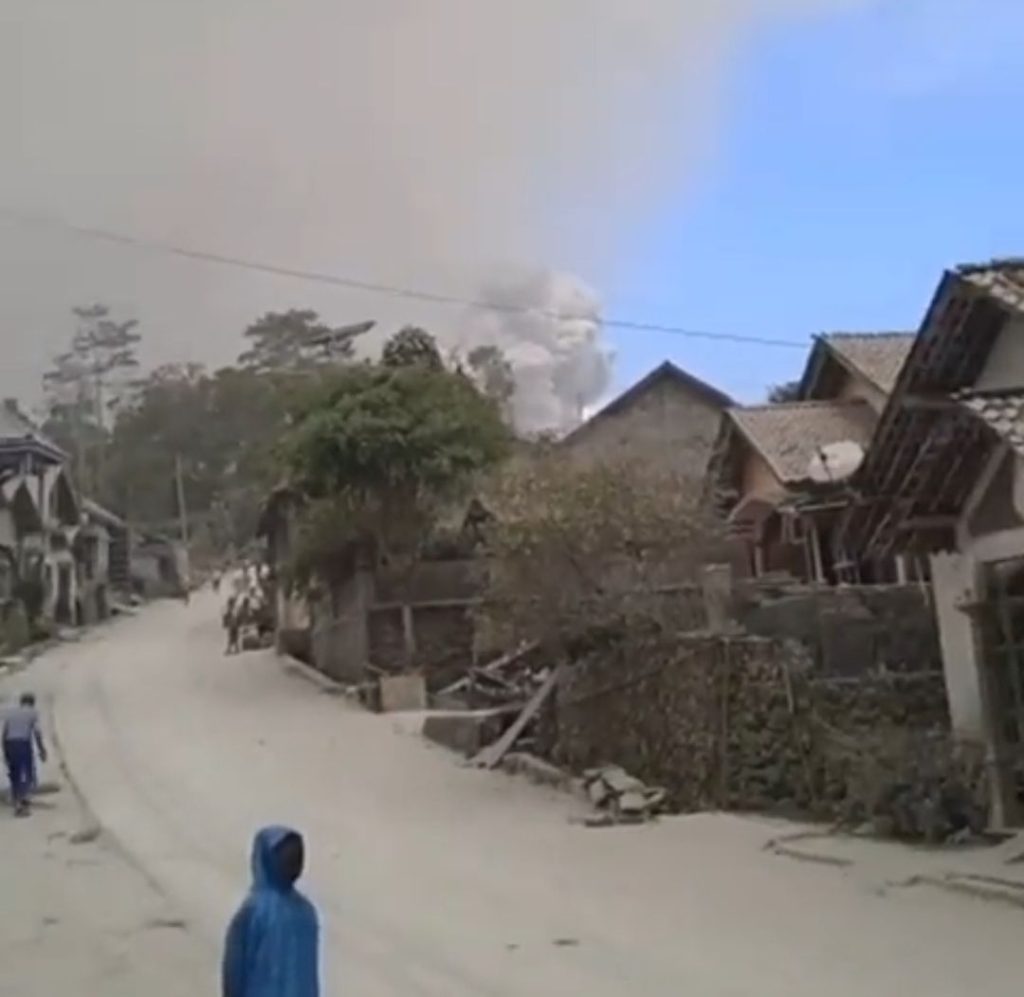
(438, 880)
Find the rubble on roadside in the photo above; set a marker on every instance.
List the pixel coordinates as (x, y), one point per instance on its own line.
(620, 798)
(511, 678)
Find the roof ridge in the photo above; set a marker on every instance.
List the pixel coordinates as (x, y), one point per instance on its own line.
(883, 334)
(996, 263)
(800, 404)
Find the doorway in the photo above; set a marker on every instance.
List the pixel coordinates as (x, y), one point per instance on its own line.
(1001, 633)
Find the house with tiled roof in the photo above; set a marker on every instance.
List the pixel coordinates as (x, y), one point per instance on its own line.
(779, 471)
(944, 479)
(40, 516)
(668, 416)
(855, 365)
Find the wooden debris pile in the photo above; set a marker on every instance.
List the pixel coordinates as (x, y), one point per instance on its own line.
(518, 735)
(512, 678)
(620, 798)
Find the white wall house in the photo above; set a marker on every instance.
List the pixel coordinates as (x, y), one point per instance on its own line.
(945, 477)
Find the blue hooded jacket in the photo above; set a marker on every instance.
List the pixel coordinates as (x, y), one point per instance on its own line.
(272, 942)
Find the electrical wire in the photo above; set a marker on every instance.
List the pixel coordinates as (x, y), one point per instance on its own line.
(374, 287)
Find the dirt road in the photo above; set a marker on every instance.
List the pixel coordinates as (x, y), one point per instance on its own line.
(437, 880)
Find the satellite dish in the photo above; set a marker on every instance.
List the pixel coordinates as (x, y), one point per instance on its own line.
(835, 461)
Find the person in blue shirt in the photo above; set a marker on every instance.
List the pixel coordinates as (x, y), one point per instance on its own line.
(21, 736)
(272, 944)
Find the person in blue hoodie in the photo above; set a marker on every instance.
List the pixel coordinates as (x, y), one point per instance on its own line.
(272, 945)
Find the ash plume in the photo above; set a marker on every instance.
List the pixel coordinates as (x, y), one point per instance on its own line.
(407, 142)
(548, 325)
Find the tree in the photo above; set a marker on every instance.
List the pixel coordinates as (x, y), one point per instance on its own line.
(412, 346)
(573, 546)
(379, 450)
(297, 340)
(788, 391)
(87, 382)
(220, 426)
(494, 374)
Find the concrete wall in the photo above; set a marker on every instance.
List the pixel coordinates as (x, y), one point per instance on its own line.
(958, 582)
(955, 585)
(758, 478)
(847, 630)
(339, 638)
(983, 537)
(669, 424)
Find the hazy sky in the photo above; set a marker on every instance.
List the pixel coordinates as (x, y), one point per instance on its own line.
(768, 167)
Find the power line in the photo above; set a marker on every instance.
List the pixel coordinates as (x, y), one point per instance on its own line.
(373, 287)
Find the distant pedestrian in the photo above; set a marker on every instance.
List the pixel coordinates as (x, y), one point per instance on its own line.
(233, 625)
(272, 944)
(21, 736)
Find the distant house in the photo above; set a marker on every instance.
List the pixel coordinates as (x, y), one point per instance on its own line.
(944, 477)
(668, 416)
(102, 552)
(43, 513)
(780, 472)
(159, 566)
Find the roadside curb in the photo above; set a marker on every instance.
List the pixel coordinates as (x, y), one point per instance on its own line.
(292, 666)
(989, 889)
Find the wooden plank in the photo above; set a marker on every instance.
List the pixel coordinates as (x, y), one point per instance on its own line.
(509, 658)
(492, 755)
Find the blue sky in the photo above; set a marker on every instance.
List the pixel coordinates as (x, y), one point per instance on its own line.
(859, 155)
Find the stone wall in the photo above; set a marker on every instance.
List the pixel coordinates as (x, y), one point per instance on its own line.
(848, 630)
(741, 723)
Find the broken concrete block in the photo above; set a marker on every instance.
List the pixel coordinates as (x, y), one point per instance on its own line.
(620, 781)
(402, 692)
(598, 792)
(466, 731)
(633, 802)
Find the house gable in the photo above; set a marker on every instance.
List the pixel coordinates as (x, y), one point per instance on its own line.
(855, 366)
(946, 415)
(669, 416)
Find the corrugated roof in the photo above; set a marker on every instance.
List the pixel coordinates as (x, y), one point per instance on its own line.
(789, 435)
(879, 356)
(1002, 410)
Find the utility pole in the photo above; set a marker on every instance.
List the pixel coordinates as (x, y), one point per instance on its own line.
(179, 484)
